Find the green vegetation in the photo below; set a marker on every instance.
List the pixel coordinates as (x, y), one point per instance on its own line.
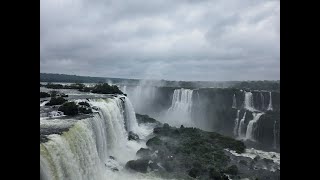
(78, 86)
(259, 85)
(145, 119)
(189, 151)
(105, 88)
(44, 95)
(56, 101)
(71, 109)
(54, 86)
(83, 103)
(48, 77)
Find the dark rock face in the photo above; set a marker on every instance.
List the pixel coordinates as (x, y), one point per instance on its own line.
(145, 119)
(268, 131)
(140, 165)
(111, 157)
(143, 152)
(132, 136)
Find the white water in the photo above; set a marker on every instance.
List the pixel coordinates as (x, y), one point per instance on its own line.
(234, 101)
(180, 111)
(142, 97)
(125, 89)
(270, 108)
(236, 124)
(43, 103)
(241, 126)
(248, 101)
(252, 153)
(262, 101)
(83, 151)
(252, 126)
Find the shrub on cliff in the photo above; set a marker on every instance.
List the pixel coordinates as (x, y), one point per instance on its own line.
(83, 103)
(54, 86)
(44, 95)
(154, 141)
(69, 108)
(105, 88)
(145, 119)
(75, 86)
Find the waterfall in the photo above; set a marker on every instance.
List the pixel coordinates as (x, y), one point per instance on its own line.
(262, 101)
(248, 101)
(270, 108)
(234, 101)
(236, 124)
(180, 111)
(252, 126)
(242, 125)
(142, 98)
(83, 151)
(198, 97)
(125, 89)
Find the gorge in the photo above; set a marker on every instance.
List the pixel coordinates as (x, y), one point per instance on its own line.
(101, 144)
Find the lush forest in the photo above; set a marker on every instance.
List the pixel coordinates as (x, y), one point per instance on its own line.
(252, 85)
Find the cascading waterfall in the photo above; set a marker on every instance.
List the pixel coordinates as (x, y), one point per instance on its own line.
(142, 98)
(180, 111)
(252, 126)
(242, 125)
(198, 97)
(83, 151)
(262, 101)
(248, 101)
(234, 101)
(125, 89)
(270, 108)
(236, 124)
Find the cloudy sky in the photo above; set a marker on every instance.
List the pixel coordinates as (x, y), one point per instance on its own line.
(162, 39)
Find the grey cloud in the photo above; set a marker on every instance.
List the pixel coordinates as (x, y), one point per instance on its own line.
(175, 40)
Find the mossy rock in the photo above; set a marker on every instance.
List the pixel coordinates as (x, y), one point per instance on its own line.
(140, 165)
(132, 136)
(69, 108)
(154, 141)
(143, 152)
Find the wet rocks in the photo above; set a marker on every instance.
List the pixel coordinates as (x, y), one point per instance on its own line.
(144, 152)
(140, 165)
(132, 136)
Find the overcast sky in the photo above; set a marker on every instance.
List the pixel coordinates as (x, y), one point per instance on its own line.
(161, 39)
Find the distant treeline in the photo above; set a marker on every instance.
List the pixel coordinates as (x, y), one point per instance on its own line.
(259, 85)
(252, 85)
(48, 77)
